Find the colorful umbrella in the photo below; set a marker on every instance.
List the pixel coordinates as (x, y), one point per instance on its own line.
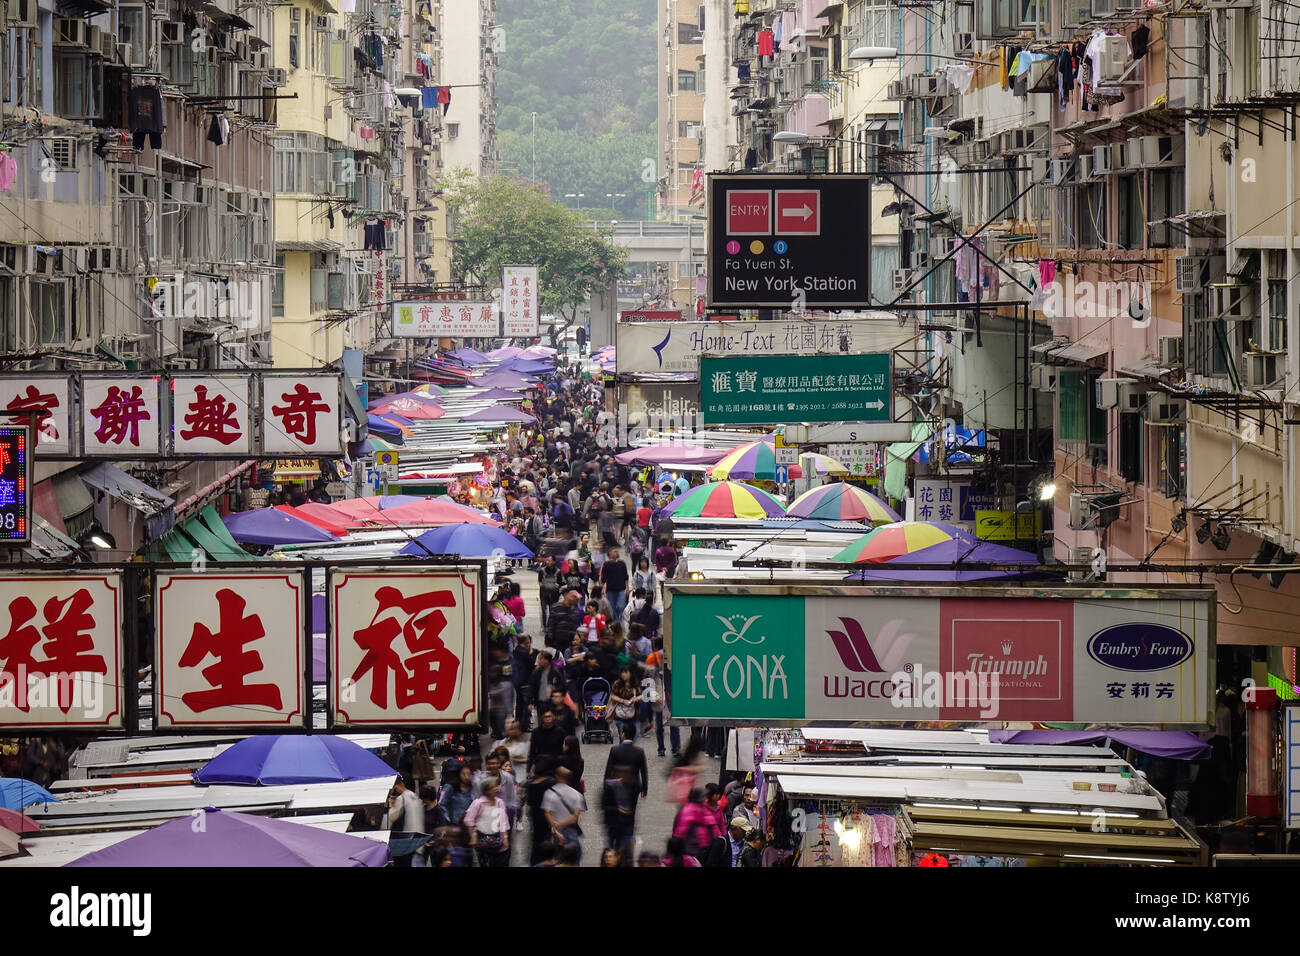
(499, 395)
(725, 499)
(842, 502)
(15, 822)
(326, 519)
(902, 537)
(359, 507)
(411, 408)
(499, 413)
(468, 541)
(755, 460)
(948, 557)
(387, 425)
(822, 465)
(428, 388)
(425, 511)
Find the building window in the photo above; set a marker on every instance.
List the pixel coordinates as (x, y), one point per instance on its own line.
(1131, 223)
(277, 289)
(1092, 215)
(686, 81)
(133, 30)
(1167, 199)
(319, 285)
(50, 307)
(453, 130)
(689, 33)
(1079, 418)
(873, 23)
(1277, 283)
(293, 45)
(1130, 446)
(1171, 447)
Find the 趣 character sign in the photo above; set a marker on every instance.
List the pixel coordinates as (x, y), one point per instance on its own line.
(211, 415)
(59, 654)
(300, 414)
(406, 648)
(230, 649)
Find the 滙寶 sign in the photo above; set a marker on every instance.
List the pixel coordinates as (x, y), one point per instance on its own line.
(860, 458)
(441, 319)
(676, 347)
(229, 649)
(789, 241)
(769, 654)
(301, 414)
(49, 400)
(120, 415)
(772, 389)
(519, 307)
(211, 414)
(405, 646)
(60, 650)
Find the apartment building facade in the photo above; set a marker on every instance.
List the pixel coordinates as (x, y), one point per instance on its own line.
(471, 41)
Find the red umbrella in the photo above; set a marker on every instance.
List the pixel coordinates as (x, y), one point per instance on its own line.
(429, 511)
(17, 822)
(320, 515)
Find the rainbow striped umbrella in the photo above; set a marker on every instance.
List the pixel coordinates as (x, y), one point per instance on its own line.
(429, 389)
(894, 540)
(755, 460)
(725, 499)
(842, 502)
(822, 465)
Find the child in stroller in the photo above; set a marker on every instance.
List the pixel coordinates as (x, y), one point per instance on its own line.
(595, 711)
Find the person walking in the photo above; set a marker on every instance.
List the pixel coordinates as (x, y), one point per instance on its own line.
(488, 822)
(563, 807)
(539, 784)
(624, 698)
(697, 824)
(548, 586)
(614, 578)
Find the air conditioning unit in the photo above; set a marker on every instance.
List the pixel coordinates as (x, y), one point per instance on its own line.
(896, 89)
(1085, 167)
(173, 33)
(1080, 518)
(276, 76)
(1114, 59)
(162, 9)
(1170, 351)
(69, 31)
(23, 13)
(1101, 160)
(1108, 392)
(1262, 369)
(1133, 153)
(1042, 377)
(1132, 396)
(920, 260)
(1162, 151)
(1188, 274)
(1228, 301)
(108, 45)
(902, 278)
(1038, 167)
(1062, 170)
(94, 38)
(203, 195)
(1165, 410)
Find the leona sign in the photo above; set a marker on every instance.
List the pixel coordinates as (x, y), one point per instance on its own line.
(772, 654)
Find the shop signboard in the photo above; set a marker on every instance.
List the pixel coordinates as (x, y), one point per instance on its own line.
(651, 315)
(519, 306)
(61, 651)
(768, 390)
(1005, 525)
(860, 458)
(301, 414)
(210, 415)
(121, 415)
(432, 318)
(48, 399)
(405, 646)
(230, 649)
(15, 484)
(770, 654)
(774, 240)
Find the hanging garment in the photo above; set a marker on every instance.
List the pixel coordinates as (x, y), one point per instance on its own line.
(366, 132)
(777, 31)
(742, 71)
(1002, 66)
(751, 158)
(444, 97)
(1138, 41)
(389, 100)
(217, 132)
(429, 97)
(1046, 271)
(374, 233)
(765, 45)
(960, 76)
(8, 172)
(147, 110)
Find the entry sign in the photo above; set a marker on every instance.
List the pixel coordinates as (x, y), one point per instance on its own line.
(789, 241)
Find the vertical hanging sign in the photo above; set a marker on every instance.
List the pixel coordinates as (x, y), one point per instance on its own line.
(519, 301)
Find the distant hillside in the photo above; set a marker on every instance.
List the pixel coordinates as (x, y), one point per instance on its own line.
(587, 67)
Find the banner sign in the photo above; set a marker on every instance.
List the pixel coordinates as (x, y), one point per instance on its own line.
(423, 319)
(301, 414)
(654, 347)
(211, 414)
(121, 416)
(770, 654)
(60, 651)
(229, 649)
(651, 315)
(519, 308)
(860, 458)
(768, 390)
(49, 399)
(997, 525)
(405, 646)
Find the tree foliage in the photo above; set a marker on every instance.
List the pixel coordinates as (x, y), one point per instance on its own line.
(503, 221)
(587, 68)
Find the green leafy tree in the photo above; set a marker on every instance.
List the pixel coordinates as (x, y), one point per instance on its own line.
(503, 221)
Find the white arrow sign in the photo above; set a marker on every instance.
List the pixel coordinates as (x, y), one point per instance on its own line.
(877, 405)
(803, 212)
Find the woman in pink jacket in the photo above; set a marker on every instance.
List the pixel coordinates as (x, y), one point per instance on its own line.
(697, 824)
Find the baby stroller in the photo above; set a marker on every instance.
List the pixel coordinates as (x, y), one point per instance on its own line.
(595, 711)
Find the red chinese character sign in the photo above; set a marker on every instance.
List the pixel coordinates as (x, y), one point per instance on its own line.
(120, 416)
(210, 416)
(300, 415)
(47, 400)
(60, 639)
(405, 647)
(230, 650)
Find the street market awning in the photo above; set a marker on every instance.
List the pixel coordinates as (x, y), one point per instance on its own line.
(210, 533)
(131, 491)
(1078, 353)
(1172, 744)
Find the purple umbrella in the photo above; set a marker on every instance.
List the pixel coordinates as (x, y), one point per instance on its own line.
(504, 380)
(948, 556)
(223, 838)
(499, 413)
(272, 526)
(500, 395)
(470, 356)
(672, 453)
(272, 760)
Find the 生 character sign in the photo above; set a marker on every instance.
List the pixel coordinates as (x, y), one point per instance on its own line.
(233, 664)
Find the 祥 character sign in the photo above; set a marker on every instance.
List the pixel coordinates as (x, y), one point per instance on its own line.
(60, 650)
(405, 646)
(772, 654)
(230, 649)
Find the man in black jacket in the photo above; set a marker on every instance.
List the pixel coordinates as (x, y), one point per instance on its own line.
(562, 621)
(521, 675)
(724, 851)
(547, 740)
(628, 756)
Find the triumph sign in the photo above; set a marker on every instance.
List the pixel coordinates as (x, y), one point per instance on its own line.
(793, 654)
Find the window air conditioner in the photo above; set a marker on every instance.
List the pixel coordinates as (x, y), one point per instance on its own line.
(1188, 274)
(69, 32)
(1262, 369)
(1108, 392)
(1079, 554)
(1162, 151)
(1132, 396)
(1101, 160)
(1114, 58)
(1170, 349)
(162, 9)
(1062, 170)
(902, 278)
(964, 43)
(1080, 516)
(1042, 377)
(1165, 410)
(277, 76)
(1133, 153)
(23, 13)
(1085, 167)
(895, 90)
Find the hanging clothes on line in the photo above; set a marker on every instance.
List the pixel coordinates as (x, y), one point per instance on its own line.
(444, 97)
(429, 97)
(765, 43)
(146, 117)
(8, 171)
(374, 233)
(219, 130)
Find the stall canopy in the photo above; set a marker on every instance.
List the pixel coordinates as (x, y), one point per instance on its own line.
(228, 839)
(210, 533)
(672, 452)
(150, 502)
(1173, 744)
(948, 558)
(499, 413)
(500, 395)
(279, 759)
(271, 526)
(424, 511)
(468, 541)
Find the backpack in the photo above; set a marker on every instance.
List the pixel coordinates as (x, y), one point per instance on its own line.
(635, 544)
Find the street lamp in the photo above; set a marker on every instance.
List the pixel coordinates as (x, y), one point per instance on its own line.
(869, 53)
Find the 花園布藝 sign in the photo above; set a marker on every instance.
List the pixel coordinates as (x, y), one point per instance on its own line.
(775, 239)
(770, 390)
(789, 654)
